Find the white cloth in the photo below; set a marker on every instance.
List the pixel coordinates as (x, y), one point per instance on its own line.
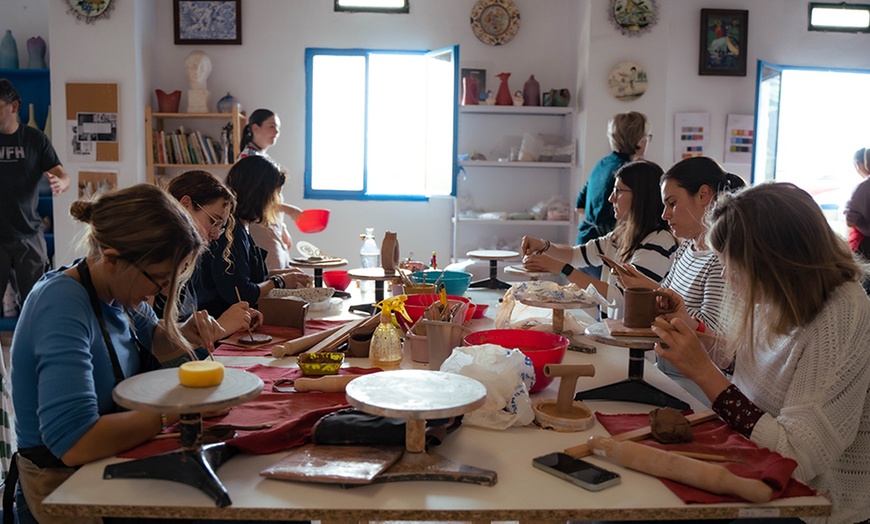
(814, 387)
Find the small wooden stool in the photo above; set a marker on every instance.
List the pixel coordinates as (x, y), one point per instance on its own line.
(493, 255)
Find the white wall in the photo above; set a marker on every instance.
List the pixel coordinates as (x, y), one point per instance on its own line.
(26, 19)
(563, 42)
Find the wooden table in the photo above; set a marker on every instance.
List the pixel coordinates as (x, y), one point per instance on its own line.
(522, 492)
(634, 388)
(493, 255)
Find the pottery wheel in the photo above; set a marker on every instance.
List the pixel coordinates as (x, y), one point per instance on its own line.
(255, 338)
(160, 392)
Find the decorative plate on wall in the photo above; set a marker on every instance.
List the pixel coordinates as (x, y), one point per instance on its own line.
(495, 22)
(627, 81)
(89, 10)
(633, 17)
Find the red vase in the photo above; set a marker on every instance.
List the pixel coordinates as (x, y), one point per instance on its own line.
(168, 102)
(503, 97)
(469, 91)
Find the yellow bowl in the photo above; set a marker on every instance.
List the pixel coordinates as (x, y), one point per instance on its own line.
(318, 364)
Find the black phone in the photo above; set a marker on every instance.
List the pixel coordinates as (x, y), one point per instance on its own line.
(577, 471)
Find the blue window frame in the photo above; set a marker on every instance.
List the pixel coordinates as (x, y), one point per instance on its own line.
(380, 124)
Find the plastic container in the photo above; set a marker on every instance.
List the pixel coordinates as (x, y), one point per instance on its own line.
(313, 220)
(337, 279)
(369, 256)
(540, 347)
(455, 282)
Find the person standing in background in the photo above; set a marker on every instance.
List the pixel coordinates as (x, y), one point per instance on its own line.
(26, 155)
(857, 209)
(261, 133)
(629, 135)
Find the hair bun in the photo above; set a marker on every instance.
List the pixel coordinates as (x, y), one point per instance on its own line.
(82, 210)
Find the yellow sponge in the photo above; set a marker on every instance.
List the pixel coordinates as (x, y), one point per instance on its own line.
(201, 374)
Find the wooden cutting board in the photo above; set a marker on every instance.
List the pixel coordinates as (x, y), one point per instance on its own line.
(618, 329)
(334, 464)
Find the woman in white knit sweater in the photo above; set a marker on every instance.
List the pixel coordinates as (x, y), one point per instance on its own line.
(801, 331)
(641, 237)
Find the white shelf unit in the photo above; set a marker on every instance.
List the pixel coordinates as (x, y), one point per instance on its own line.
(498, 185)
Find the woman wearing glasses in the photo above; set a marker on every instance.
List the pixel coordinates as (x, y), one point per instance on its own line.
(210, 203)
(641, 237)
(235, 266)
(87, 326)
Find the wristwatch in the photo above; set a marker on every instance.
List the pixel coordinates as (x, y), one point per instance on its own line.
(567, 269)
(278, 281)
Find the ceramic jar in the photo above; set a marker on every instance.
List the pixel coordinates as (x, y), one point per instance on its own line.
(227, 103)
(469, 91)
(36, 53)
(390, 252)
(532, 92)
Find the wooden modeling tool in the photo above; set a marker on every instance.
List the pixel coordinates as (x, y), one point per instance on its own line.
(259, 338)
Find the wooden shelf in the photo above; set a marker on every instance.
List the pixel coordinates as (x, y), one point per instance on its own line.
(155, 122)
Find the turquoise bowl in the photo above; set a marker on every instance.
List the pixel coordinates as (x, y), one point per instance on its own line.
(455, 282)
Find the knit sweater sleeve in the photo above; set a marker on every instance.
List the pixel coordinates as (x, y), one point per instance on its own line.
(815, 398)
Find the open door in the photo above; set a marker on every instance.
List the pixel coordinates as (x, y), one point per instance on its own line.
(767, 100)
(442, 98)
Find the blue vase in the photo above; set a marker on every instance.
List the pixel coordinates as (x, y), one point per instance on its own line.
(36, 53)
(8, 52)
(226, 104)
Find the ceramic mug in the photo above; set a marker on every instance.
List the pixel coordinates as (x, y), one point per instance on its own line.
(641, 307)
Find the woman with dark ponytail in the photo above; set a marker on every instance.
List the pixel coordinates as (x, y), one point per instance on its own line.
(261, 133)
(689, 190)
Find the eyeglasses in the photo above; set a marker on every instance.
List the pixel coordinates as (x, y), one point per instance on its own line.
(160, 287)
(217, 224)
(617, 191)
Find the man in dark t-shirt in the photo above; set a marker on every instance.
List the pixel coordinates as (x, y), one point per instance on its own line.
(26, 155)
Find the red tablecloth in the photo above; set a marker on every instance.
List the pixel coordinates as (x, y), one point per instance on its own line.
(715, 437)
(292, 414)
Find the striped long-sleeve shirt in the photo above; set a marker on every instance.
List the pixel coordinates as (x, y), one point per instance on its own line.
(652, 258)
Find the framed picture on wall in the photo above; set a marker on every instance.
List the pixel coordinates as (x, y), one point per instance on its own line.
(207, 22)
(723, 42)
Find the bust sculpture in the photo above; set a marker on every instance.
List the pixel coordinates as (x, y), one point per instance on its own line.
(198, 67)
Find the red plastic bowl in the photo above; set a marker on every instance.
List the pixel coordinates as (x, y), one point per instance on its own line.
(313, 220)
(415, 305)
(337, 279)
(541, 347)
(480, 310)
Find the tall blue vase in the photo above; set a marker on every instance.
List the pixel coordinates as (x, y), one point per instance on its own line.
(8, 51)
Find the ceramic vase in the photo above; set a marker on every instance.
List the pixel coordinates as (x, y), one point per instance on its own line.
(503, 97)
(47, 128)
(36, 53)
(469, 91)
(532, 92)
(32, 122)
(168, 102)
(561, 97)
(390, 252)
(8, 51)
(227, 103)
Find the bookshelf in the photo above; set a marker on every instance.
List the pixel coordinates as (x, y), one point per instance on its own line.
(159, 162)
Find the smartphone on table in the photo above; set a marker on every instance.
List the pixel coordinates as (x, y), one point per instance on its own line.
(577, 471)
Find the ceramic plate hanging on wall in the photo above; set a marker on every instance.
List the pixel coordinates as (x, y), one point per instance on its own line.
(495, 22)
(627, 81)
(89, 10)
(633, 17)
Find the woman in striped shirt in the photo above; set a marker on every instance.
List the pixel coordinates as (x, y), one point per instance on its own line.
(688, 190)
(641, 237)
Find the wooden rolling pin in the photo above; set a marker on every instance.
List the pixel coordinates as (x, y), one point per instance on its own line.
(689, 471)
(298, 345)
(641, 433)
(327, 384)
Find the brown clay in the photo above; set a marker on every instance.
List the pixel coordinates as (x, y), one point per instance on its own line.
(669, 426)
(641, 307)
(569, 374)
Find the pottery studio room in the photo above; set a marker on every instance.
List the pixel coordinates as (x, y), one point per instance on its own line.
(435, 162)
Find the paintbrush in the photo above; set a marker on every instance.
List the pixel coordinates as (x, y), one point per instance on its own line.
(209, 344)
(239, 296)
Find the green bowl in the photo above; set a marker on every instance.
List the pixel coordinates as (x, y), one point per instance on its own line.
(319, 364)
